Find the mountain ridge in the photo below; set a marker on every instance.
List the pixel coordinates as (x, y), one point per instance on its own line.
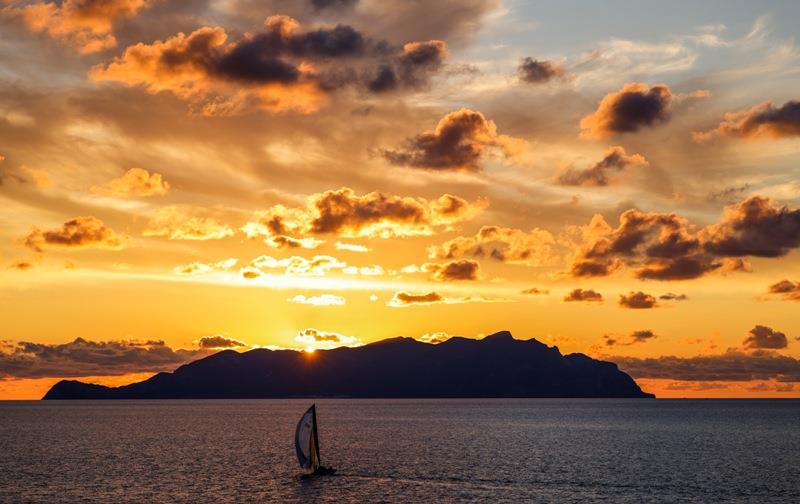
(496, 366)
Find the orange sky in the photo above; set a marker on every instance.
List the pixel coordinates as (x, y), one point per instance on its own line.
(180, 179)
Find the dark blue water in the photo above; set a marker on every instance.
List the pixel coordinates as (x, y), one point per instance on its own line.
(403, 451)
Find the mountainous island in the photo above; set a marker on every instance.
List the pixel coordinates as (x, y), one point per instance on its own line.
(495, 366)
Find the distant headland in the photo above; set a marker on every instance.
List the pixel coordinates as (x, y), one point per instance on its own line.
(495, 366)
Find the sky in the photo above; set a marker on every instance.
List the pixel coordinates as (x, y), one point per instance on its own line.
(618, 179)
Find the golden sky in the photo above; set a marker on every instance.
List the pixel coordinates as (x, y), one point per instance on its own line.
(181, 177)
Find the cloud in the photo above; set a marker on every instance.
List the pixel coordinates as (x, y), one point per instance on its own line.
(535, 291)
(351, 247)
(637, 300)
(219, 341)
(80, 232)
(332, 4)
(185, 223)
(316, 339)
(402, 299)
(379, 215)
(462, 269)
(755, 227)
(278, 68)
(534, 71)
(86, 25)
(639, 336)
(321, 300)
(318, 265)
(461, 140)
(787, 289)
(628, 110)
(764, 337)
(21, 265)
(615, 160)
(135, 183)
(584, 295)
(664, 246)
(761, 121)
(533, 248)
(734, 365)
(434, 338)
(197, 268)
(669, 296)
(90, 358)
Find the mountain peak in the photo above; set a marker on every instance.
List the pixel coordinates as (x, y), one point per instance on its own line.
(500, 336)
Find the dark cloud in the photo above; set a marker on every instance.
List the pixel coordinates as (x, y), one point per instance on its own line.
(459, 142)
(755, 227)
(787, 289)
(640, 336)
(278, 68)
(665, 246)
(763, 120)
(80, 232)
(637, 300)
(462, 269)
(765, 337)
(332, 4)
(628, 110)
(669, 296)
(90, 358)
(615, 160)
(539, 71)
(733, 365)
(403, 298)
(219, 341)
(584, 295)
(536, 291)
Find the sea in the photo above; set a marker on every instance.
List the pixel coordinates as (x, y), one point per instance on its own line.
(482, 450)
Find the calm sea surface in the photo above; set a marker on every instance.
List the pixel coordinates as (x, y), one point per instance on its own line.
(402, 451)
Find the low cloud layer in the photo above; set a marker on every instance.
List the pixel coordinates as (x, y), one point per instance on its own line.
(219, 341)
(461, 141)
(91, 358)
(403, 298)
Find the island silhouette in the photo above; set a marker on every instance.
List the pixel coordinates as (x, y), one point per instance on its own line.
(496, 366)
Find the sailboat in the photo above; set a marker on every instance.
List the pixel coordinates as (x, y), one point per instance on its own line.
(306, 444)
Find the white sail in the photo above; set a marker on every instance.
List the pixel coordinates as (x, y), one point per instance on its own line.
(304, 439)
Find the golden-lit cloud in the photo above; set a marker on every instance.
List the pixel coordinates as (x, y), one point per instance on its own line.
(534, 248)
(435, 338)
(637, 300)
(628, 110)
(351, 247)
(80, 232)
(87, 25)
(461, 269)
(185, 223)
(278, 68)
(198, 268)
(344, 213)
(321, 300)
(461, 140)
(135, 183)
(536, 291)
(315, 339)
(597, 175)
(764, 120)
(589, 295)
(402, 299)
(298, 266)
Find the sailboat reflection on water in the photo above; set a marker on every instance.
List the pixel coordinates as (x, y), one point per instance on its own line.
(306, 443)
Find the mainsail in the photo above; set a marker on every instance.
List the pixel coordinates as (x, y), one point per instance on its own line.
(306, 442)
